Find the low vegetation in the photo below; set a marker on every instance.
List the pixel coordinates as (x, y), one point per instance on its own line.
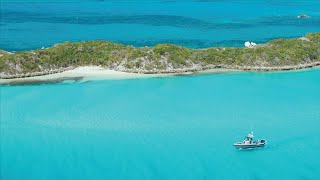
(160, 58)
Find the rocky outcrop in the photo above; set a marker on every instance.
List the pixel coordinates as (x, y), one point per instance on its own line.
(31, 74)
(206, 67)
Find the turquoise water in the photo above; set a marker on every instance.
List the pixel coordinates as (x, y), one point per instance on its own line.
(163, 128)
(160, 128)
(31, 24)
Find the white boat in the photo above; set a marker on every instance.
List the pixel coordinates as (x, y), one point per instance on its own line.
(248, 143)
(303, 16)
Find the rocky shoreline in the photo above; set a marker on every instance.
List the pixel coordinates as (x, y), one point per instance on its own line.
(33, 74)
(194, 68)
(207, 67)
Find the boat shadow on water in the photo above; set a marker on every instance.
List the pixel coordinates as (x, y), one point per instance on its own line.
(251, 149)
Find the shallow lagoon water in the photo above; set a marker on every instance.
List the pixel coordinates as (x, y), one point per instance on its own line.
(32, 24)
(163, 128)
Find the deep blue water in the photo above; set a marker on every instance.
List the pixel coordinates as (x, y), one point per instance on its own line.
(31, 24)
(163, 128)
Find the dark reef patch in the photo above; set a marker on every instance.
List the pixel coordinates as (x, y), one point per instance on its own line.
(41, 82)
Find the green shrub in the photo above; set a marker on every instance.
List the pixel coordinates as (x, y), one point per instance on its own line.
(277, 52)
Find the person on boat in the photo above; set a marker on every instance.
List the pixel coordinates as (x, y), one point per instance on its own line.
(249, 138)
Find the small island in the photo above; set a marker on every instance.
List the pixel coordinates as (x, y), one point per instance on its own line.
(275, 55)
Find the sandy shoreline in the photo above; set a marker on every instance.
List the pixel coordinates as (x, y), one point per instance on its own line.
(89, 73)
(85, 73)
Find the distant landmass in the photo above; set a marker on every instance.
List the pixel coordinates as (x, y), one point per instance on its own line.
(278, 54)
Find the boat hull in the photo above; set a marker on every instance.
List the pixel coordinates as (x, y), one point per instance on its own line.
(242, 145)
(248, 146)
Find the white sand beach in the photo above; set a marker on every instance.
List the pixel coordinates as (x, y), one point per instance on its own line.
(87, 73)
